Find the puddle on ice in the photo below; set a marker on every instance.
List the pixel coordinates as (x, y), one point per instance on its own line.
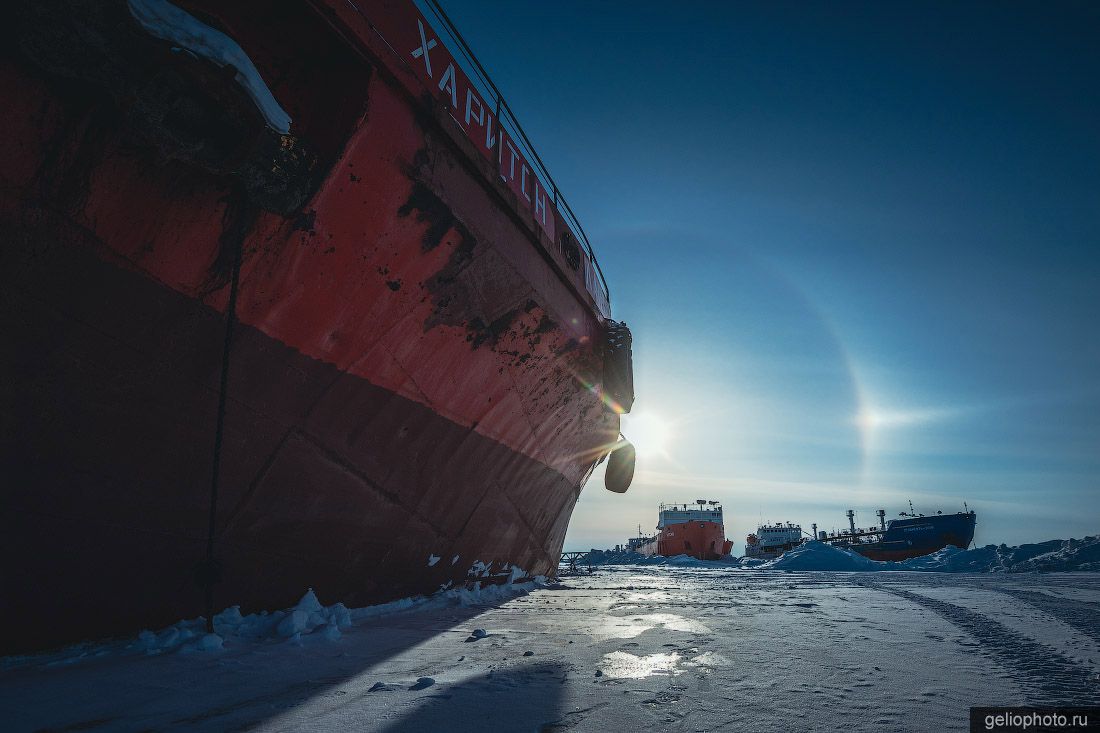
(624, 665)
(628, 628)
(672, 622)
(657, 596)
(623, 630)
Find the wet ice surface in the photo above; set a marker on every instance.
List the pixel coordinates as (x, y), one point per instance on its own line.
(642, 648)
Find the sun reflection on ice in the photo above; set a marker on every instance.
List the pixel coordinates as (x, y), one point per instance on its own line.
(624, 665)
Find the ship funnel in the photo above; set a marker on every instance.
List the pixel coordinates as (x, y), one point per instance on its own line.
(620, 467)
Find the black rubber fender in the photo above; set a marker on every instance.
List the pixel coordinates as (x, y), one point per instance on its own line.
(620, 467)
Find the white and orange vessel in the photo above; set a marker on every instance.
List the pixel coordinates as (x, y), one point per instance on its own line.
(685, 529)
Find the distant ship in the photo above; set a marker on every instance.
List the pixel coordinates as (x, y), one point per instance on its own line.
(642, 544)
(686, 529)
(772, 540)
(914, 535)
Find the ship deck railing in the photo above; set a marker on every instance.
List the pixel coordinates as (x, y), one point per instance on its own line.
(848, 535)
(507, 120)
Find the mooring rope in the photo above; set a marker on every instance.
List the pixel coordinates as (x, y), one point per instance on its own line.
(238, 222)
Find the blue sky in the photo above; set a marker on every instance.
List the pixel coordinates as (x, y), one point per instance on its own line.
(858, 246)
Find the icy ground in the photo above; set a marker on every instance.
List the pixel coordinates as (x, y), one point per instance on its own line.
(628, 648)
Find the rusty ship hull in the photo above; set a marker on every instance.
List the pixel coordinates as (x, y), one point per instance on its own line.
(413, 393)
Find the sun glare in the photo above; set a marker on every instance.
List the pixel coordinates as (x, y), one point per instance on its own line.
(648, 432)
(867, 419)
(875, 418)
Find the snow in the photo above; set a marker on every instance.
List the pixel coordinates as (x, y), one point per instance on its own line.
(1052, 556)
(165, 21)
(819, 556)
(479, 569)
(432, 560)
(685, 646)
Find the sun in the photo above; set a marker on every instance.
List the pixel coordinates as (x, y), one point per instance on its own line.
(649, 433)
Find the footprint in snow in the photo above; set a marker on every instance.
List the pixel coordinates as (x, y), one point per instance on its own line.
(384, 687)
(422, 682)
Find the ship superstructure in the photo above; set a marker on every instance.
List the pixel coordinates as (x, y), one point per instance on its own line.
(642, 544)
(772, 540)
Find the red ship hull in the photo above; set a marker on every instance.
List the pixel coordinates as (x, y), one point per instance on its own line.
(701, 540)
(414, 388)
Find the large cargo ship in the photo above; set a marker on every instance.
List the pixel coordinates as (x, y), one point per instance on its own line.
(914, 535)
(689, 529)
(289, 300)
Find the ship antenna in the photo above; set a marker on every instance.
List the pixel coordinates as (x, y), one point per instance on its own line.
(910, 506)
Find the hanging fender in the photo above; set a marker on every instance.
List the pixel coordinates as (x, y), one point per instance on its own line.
(620, 467)
(618, 367)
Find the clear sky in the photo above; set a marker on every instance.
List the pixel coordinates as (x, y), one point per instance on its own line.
(858, 246)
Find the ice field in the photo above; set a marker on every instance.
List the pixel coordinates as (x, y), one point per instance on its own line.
(628, 648)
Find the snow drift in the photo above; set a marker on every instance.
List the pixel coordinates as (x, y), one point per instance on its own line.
(1052, 556)
(820, 556)
(307, 622)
